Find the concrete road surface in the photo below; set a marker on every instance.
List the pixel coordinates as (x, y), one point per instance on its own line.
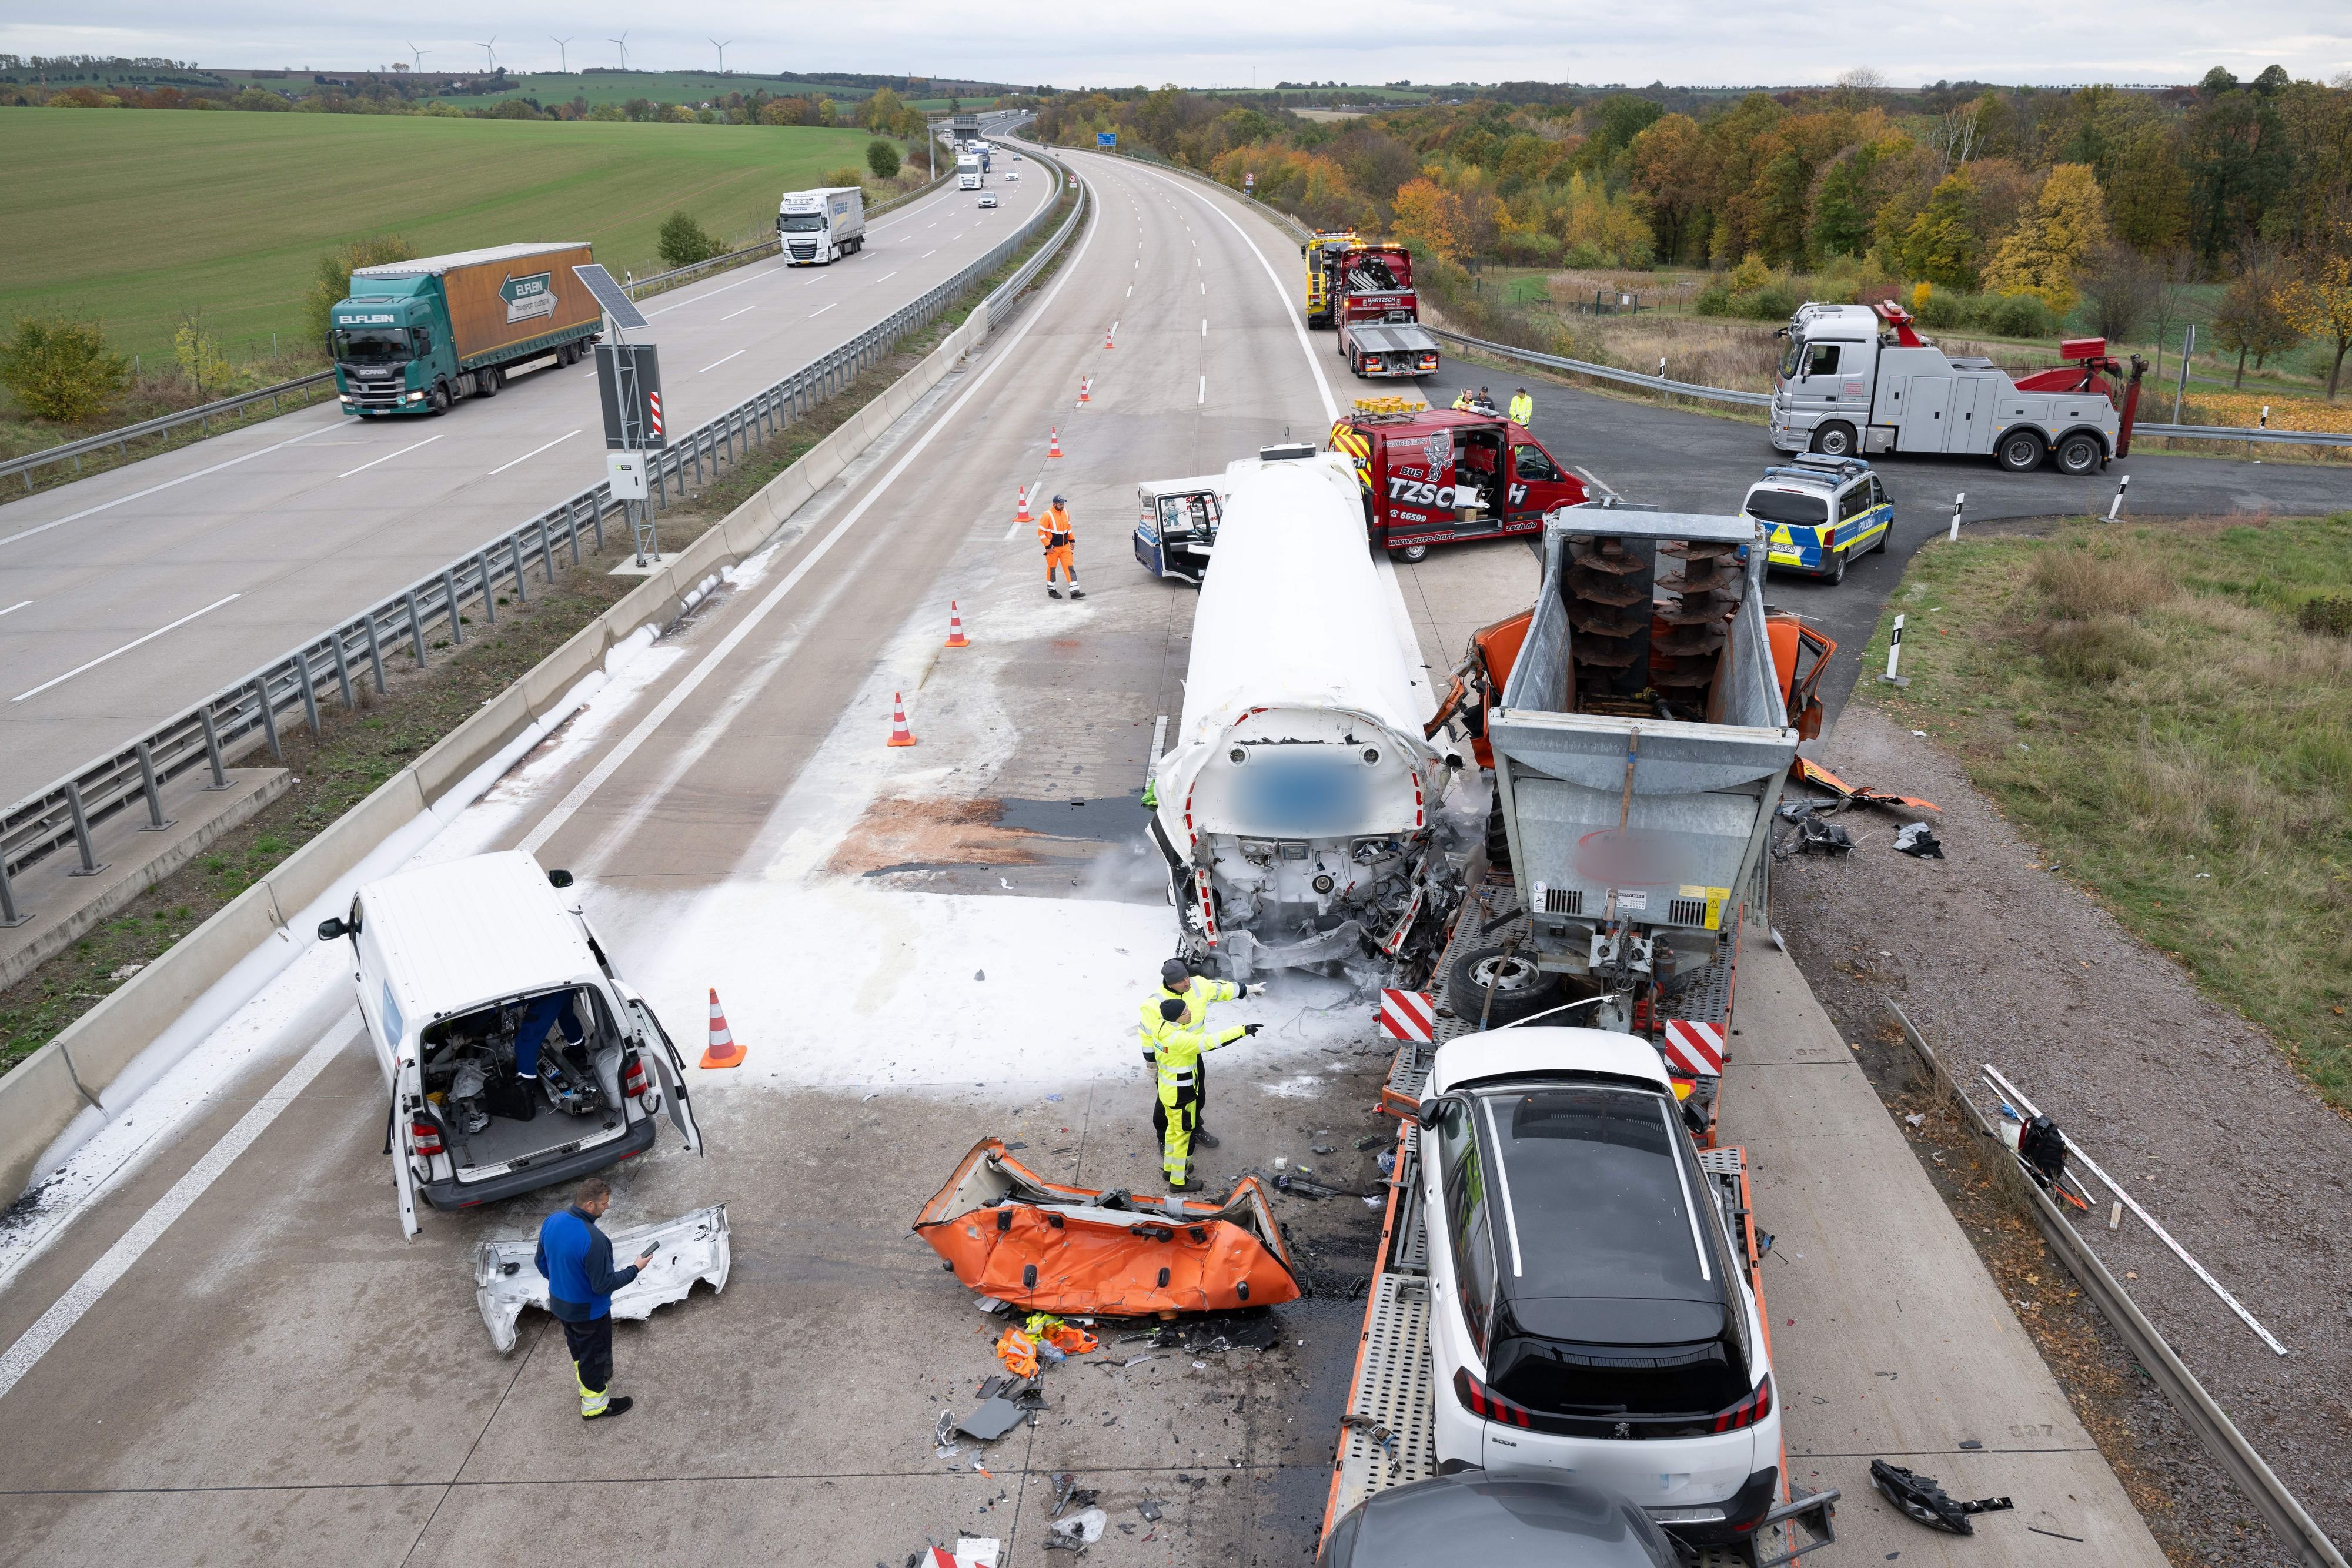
(235, 1354)
(148, 588)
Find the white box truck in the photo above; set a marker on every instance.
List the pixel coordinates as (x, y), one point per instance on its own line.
(968, 174)
(819, 227)
(516, 1058)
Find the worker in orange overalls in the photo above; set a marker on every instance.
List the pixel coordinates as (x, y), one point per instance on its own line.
(1060, 548)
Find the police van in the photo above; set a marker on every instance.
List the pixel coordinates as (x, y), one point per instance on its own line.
(1819, 513)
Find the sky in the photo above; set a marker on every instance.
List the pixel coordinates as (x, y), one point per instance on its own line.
(1232, 43)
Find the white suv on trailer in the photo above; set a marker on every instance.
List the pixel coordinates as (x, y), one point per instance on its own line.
(1589, 1314)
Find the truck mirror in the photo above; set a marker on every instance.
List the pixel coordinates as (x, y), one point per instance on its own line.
(331, 928)
(1427, 1114)
(558, 878)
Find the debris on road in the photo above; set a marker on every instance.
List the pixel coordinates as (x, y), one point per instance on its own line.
(1085, 1528)
(1009, 1234)
(1917, 839)
(1806, 771)
(692, 1247)
(1922, 1499)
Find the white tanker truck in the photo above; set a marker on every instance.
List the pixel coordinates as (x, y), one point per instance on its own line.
(1297, 807)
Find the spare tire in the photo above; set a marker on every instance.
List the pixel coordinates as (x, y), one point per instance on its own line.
(1518, 988)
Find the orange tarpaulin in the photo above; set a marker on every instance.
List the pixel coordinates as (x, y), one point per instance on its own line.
(1043, 1246)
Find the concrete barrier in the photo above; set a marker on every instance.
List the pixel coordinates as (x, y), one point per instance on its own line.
(51, 1089)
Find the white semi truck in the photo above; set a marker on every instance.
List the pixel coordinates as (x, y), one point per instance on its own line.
(819, 227)
(1297, 808)
(968, 174)
(1858, 380)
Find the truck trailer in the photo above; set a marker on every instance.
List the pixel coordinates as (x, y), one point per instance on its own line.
(414, 337)
(1858, 379)
(818, 227)
(1297, 808)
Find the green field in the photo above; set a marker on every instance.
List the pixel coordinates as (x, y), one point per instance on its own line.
(134, 218)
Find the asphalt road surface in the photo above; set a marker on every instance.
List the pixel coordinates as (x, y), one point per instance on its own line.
(919, 946)
(142, 591)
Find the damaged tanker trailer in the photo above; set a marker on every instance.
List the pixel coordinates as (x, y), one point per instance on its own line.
(1297, 808)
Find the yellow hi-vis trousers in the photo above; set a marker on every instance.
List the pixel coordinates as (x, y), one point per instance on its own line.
(1175, 1117)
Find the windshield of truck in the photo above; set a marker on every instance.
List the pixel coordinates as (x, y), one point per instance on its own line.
(1793, 357)
(371, 346)
(800, 222)
(1802, 510)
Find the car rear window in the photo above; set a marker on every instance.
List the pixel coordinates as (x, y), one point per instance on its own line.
(1804, 510)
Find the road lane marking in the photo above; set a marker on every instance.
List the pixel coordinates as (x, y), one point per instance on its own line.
(387, 457)
(16, 607)
(886, 278)
(1204, 326)
(812, 316)
(737, 354)
(1204, 390)
(629, 744)
(102, 658)
(141, 495)
(927, 256)
(531, 454)
(116, 1260)
(733, 314)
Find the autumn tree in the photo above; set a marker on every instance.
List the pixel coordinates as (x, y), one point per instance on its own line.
(2318, 302)
(2041, 255)
(61, 370)
(1941, 244)
(1424, 219)
(2251, 321)
(2147, 189)
(1669, 172)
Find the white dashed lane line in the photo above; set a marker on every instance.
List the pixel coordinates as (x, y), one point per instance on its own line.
(736, 355)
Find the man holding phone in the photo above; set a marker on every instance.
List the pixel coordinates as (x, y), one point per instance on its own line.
(577, 1259)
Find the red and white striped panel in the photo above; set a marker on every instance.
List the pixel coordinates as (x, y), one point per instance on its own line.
(1694, 1049)
(1408, 1015)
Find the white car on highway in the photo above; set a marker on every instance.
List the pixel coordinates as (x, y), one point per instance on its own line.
(988, 201)
(1589, 1314)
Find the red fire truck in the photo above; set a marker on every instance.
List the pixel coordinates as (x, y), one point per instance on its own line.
(1435, 475)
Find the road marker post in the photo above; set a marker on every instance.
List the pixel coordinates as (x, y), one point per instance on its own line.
(1895, 657)
(1958, 502)
(2116, 507)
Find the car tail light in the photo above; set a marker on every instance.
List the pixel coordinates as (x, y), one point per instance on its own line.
(633, 1076)
(423, 1137)
(1748, 1411)
(1485, 1403)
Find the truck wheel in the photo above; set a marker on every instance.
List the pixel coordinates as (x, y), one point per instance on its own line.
(1834, 439)
(2020, 451)
(487, 382)
(2078, 454)
(1518, 988)
(438, 401)
(1410, 553)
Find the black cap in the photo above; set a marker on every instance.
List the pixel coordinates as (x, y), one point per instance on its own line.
(1057, 500)
(1172, 1009)
(1173, 974)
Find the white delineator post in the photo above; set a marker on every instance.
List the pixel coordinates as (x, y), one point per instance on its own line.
(2116, 507)
(1895, 657)
(1960, 502)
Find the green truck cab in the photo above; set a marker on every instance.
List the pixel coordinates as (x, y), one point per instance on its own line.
(416, 336)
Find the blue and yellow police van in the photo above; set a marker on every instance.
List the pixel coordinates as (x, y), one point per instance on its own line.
(1820, 512)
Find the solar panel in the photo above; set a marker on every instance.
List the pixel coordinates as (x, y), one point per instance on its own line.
(618, 305)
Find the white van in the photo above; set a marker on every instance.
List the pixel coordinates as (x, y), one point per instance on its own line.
(457, 966)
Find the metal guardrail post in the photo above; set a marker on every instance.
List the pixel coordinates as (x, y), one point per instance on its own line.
(310, 692)
(546, 551)
(376, 653)
(156, 821)
(91, 864)
(343, 670)
(212, 748)
(489, 604)
(449, 597)
(522, 593)
(268, 715)
(9, 913)
(416, 628)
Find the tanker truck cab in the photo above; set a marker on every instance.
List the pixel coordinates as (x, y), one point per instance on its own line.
(1818, 513)
(460, 967)
(1434, 477)
(1176, 525)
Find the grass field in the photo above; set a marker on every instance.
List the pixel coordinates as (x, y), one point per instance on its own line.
(133, 219)
(2145, 703)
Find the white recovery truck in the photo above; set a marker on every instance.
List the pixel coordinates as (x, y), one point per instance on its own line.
(1858, 380)
(819, 227)
(1297, 807)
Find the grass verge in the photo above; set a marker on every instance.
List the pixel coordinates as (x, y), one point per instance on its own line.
(355, 752)
(2165, 714)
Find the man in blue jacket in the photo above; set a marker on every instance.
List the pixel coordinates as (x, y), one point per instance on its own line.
(577, 1259)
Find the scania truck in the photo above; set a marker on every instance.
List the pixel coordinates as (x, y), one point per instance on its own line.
(416, 336)
(819, 227)
(1858, 379)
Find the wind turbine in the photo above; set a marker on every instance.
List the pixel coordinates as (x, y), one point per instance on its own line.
(562, 52)
(489, 53)
(420, 55)
(623, 42)
(721, 47)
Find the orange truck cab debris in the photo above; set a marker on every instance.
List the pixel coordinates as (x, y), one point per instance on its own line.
(1048, 1249)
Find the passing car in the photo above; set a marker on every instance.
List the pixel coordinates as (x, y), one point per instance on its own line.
(1591, 1311)
(988, 201)
(1013, 176)
(516, 1058)
(1819, 513)
(1495, 1521)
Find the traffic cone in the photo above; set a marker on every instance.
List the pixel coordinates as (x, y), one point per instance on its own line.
(899, 734)
(1106, 342)
(1054, 446)
(723, 1052)
(956, 639)
(1023, 516)
(1085, 388)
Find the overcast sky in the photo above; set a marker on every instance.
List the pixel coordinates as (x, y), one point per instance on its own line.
(1209, 43)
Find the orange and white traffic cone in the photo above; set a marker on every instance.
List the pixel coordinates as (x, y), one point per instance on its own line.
(1106, 342)
(1023, 516)
(1054, 444)
(1085, 390)
(899, 734)
(956, 639)
(723, 1052)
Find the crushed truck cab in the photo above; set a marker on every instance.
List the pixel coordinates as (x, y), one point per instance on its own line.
(1176, 525)
(1434, 477)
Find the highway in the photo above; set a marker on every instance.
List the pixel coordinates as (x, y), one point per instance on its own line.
(134, 593)
(235, 1353)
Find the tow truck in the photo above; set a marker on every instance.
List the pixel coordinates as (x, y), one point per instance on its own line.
(1379, 313)
(1319, 252)
(1858, 380)
(1438, 475)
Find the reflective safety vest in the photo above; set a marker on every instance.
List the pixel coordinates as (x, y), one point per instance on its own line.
(1523, 408)
(1051, 521)
(1177, 1048)
(1461, 400)
(1198, 996)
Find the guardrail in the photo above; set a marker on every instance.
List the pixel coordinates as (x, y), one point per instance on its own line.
(2238, 1458)
(333, 664)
